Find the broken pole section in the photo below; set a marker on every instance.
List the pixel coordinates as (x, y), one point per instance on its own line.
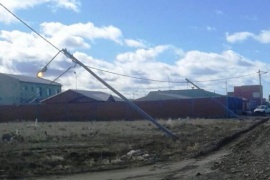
(130, 103)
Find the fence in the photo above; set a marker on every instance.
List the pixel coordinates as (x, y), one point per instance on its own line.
(194, 108)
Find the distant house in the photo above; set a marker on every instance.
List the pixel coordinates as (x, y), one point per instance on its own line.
(177, 94)
(20, 89)
(81, 96)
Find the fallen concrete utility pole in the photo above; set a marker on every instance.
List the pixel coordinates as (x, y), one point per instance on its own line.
(67, 54)
(130, 103)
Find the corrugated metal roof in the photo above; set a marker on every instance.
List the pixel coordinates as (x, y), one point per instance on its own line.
(30, 79)
(177, 94)
(98, 95)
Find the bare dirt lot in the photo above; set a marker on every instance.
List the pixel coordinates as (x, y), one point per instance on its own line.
(205, 149)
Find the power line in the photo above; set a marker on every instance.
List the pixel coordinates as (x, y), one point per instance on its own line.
(130, 103)
(62, 52)
(167, 81)
(59, 51)
(64, 72)
(267, 82)
(223, 79)
(34, 97)
(146, 79)
(30, 27)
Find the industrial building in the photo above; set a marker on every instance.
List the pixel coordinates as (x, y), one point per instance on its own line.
(251, 95)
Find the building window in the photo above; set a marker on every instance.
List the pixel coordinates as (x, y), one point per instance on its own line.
(256, 94)
(49, 92)
(38, 92)
(23, 88)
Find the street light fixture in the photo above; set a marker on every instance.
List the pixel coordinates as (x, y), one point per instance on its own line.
(43, 70)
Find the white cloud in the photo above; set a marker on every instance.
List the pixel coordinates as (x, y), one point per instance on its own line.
(142, 54)
(134, 43)
(204, 67)
(24, 52)
(75, 35)
(20, 50)
(239, 36)
(262, 37)
(73, 5)
(18, 4)
(15, 5)
(142, 63)
(22, 46)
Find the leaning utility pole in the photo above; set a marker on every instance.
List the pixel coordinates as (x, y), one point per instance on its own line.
(76, 61)
(230, 111)
(130, 103)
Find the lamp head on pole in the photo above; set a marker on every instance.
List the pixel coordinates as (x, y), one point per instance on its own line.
(40, 73)
(44, 69)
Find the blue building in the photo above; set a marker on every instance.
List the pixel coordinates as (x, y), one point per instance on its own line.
(20, 89)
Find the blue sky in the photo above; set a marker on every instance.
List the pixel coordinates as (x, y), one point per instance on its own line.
(216, 44)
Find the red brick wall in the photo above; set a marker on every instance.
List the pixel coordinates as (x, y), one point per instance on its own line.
(203, 108)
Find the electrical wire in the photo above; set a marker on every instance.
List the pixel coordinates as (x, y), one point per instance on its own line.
(34, 97)
(29, 27)
(146, 79)
(223, 79)
(110, 71)
(59, 51)
(53, 58)
(267, 82)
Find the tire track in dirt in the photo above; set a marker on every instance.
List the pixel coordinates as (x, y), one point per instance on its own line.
(213, 162)
(216, 145)
(209, 163)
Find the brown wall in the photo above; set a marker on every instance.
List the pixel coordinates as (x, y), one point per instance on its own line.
(203, 108)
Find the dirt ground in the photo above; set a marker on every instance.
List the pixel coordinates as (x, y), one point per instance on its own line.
(205, 149)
